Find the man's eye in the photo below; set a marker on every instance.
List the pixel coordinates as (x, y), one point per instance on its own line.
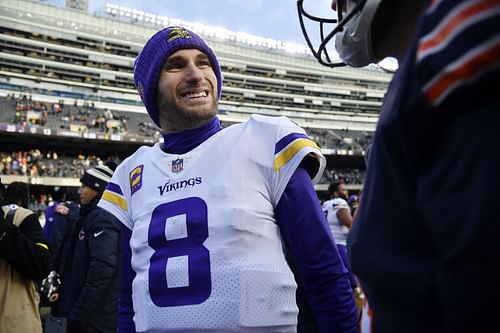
(204, 64)
(173, 65)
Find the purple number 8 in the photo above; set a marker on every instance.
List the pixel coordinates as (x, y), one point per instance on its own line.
(199, 282)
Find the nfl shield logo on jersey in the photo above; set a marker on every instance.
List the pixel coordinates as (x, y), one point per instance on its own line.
(178, 165)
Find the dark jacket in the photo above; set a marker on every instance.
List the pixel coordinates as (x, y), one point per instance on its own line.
(62, 230)
(90, 277)
(424, 249)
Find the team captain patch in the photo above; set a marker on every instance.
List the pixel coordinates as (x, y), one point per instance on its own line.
(136, 179)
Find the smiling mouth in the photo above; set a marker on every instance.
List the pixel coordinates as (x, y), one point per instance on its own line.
(196, 94)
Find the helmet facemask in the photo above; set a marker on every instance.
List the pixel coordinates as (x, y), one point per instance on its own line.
(351, 29)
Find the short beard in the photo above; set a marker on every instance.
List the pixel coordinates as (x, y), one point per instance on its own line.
(174, 118)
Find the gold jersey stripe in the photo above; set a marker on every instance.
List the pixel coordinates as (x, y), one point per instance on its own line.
(292, 149)
(115, 199)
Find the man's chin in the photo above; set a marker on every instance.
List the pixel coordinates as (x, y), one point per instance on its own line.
(186, 114)
(200, 111)
(203, 116)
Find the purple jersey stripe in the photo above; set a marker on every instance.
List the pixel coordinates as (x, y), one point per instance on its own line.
(285, 141)
(114, 188)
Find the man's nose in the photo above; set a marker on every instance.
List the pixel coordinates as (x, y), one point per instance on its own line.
(193, 73)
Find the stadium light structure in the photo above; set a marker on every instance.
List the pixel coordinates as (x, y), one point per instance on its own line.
(141, 17)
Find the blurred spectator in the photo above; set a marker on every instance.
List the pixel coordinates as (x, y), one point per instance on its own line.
(66, 215)
(90, 277)
(338, 215)
(24, 259)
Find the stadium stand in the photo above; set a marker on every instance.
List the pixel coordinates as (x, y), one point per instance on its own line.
(66, 89)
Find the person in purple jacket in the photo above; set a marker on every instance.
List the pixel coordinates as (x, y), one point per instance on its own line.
(425, 242)
(206, 213)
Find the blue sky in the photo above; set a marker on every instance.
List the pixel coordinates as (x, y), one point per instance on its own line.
(275, 19)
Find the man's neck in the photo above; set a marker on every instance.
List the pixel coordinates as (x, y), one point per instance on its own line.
(184, 141)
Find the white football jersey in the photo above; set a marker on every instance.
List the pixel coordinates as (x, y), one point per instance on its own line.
(205, 245)
(339, 230)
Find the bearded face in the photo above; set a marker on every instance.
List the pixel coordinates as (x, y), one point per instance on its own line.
(187, 91)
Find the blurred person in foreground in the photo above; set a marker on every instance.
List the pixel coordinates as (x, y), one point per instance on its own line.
(24, 259)
(424, 255)
(205, 213)
(88, 295)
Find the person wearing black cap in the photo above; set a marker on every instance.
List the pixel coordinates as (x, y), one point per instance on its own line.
(205, 213)
(88, 296)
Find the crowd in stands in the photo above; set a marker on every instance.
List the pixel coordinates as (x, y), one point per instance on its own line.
(80, 116)
(345, 176)
(352, 142)
(35, 163)
(84, 117)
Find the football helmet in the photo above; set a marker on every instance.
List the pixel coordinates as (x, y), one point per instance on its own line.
(352, 30)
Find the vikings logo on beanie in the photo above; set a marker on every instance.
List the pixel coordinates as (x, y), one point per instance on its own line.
(150, 61)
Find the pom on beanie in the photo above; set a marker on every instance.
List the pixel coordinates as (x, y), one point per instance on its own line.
(150, 61)
(97, 177)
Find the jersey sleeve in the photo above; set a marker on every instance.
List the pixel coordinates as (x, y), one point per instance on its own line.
(458, 68)
(458, 53)
(313, 255)
(115, 198)
(339, 204)
(292, 146)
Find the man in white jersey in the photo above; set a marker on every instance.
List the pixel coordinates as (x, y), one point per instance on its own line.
(338, 214)
(207, 212)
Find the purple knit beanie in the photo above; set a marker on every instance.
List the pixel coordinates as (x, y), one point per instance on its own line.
(150, 61)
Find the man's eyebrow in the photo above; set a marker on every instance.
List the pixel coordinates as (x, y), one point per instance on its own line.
(202, 56)
(174, 59)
